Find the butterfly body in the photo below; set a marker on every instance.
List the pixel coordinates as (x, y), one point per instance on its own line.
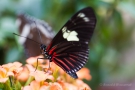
(69, 48)
(43, 48)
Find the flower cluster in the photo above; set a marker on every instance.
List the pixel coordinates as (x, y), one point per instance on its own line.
(38, 75)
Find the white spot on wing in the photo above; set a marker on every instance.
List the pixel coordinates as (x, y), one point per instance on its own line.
(81, 15)
(70, 35)
(85, 19)
(18, 22)
(82, 65)
(86, 42)
(73, 33)
(44, 31)
(65, 35)
(73, 38)
(33, 25)
(25, 32)
(64, 29)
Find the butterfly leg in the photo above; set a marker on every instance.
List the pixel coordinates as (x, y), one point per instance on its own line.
(48, 67)
(37, 64)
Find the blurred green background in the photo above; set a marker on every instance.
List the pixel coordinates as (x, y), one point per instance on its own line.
(112, 48)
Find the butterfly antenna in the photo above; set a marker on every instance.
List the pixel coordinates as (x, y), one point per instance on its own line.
(38, 32)
(26, 37)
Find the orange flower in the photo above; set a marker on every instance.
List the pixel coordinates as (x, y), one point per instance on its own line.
(63, 85)
(84, 73)
(71, 86)
(39, 75)
(23, 75)
(44, 88)
(30, 67)
(56, 86)
(26, 88)
(68, 82)
(34, 85)
(3, 75)
(13, 67)
(33, 60)
(81, 85)
(41, 63)
(54, 79)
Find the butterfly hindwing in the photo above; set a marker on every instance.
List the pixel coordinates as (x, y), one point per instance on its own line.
(70, 56)
(69, 48)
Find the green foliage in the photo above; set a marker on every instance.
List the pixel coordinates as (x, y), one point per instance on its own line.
(55, 74)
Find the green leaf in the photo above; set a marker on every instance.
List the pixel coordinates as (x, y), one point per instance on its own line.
(29, 80)
(7, 86)
(18, 85)
(1, 85)
(55, 74)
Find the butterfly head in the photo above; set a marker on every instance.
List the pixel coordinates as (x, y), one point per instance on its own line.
(43, 47)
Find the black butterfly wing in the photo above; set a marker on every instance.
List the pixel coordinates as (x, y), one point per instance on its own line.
(29, 26)
(69, 48)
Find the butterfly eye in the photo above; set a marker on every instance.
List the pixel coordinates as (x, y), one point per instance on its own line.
(43, 47)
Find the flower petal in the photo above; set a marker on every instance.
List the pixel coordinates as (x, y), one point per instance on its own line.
(39, 75)
(84, 73)
(3, 80)
(27, 88)
(56, 86)
(35, 85)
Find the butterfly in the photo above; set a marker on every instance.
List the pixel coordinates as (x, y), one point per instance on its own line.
(69, 48)
(28, 28)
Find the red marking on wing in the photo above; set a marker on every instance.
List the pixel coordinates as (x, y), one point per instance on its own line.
(49, 46)
(69, 62)
(61, 63)
(74, 56)
(52, 50)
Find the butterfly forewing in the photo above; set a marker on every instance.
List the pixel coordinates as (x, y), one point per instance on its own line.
(29, 27)
(69, 48)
